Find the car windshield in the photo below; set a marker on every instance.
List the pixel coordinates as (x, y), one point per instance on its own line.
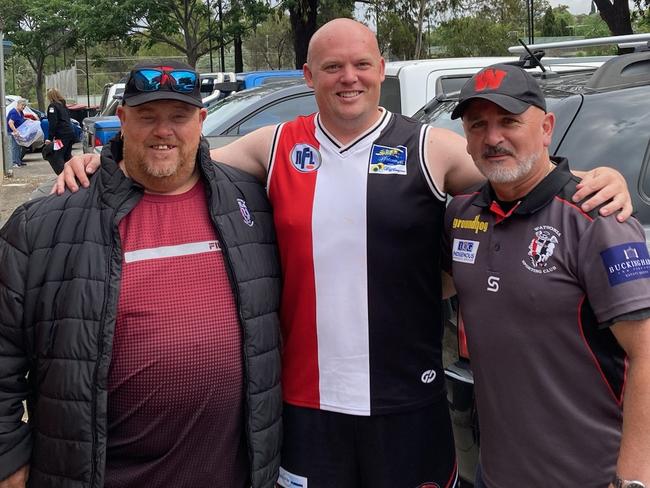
(229, 106)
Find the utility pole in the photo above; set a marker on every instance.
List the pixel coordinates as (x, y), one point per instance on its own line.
(6, 154)
(222, 52)
(210, 36)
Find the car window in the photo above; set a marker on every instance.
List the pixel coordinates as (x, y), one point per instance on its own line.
(390, 97)
(277, 113)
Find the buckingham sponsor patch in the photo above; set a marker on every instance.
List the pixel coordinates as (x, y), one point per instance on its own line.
(290, 480)
(385, 160)
(464, 251)
(626, 262)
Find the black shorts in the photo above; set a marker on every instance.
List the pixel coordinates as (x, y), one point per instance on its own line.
(402, 450)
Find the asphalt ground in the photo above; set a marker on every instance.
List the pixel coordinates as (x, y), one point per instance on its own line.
(18, 188)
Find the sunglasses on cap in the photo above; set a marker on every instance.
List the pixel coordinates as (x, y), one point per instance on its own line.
(151, 80)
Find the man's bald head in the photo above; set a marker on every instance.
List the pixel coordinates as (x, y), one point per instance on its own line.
(336, 28)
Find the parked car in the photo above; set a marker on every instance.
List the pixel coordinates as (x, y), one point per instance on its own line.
(247, 110)
(601, 119)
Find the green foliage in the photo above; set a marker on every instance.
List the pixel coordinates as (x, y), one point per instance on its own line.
(270, 45)
(473, 36)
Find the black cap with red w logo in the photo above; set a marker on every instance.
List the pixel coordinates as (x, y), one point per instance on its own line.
(509, 86)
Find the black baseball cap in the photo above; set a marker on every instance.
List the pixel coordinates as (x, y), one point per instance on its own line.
(509, 86)
(169, 80)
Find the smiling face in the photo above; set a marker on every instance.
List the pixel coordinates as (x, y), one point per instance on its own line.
(346, 70)
(161, 140)
(508, 148)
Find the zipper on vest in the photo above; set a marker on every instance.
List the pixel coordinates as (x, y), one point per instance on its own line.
(100, 339)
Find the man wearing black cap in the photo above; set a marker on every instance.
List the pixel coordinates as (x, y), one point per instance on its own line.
(555, 302)
(138, 317)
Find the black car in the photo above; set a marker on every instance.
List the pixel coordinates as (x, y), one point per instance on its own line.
(603, 119)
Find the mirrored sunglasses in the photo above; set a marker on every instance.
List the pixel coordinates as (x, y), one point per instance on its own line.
(150, 80)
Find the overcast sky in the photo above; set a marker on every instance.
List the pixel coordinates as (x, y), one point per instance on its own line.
(575, 6)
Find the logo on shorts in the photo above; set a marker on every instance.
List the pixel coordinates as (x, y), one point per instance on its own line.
(290, 480)
(541, 248)
(428, 376)
(305, 158)
(246, 215)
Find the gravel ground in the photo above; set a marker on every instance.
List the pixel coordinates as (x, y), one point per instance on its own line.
(18, 188)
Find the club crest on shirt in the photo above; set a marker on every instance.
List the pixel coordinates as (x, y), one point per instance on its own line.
(305, 158)
(385, 160)
(245, 213)
(541, 248)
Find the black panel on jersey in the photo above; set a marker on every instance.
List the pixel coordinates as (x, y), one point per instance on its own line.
(606, 349)
(404, 225)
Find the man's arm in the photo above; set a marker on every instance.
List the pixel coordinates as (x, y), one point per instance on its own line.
(448, 162)
(249, 153)
(634, 338)
(17, 479)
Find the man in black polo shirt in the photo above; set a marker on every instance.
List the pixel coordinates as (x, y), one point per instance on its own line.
(556, 304)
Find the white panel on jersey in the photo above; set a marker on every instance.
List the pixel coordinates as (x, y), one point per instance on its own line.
(171, 251)
(341, 277)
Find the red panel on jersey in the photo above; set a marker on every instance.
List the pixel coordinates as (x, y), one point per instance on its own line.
(291, 191)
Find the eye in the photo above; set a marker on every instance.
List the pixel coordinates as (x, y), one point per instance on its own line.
(331, 67)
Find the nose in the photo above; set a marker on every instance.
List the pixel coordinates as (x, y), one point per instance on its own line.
(163, 128)
(493, 135)
(349, 74)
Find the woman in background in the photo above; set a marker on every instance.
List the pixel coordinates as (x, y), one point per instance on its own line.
(59, 128)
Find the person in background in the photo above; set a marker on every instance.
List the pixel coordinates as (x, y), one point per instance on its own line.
(60, 128)
(16, 118)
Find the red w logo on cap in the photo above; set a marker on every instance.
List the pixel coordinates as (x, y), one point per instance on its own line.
(489, 79)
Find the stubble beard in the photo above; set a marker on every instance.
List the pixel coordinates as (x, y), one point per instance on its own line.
(138, 166)
(497, 173)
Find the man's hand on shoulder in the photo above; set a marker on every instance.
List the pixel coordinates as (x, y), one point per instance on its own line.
(75, 173)
(602, 185)
(16, 480)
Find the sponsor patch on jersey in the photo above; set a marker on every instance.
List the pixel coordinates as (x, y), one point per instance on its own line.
(464, 251)
(305, 158)
(245, 213)
(290, 480)
(541, 248)
(385, 160)
(476, 224)
(626, 262)
(51, 110)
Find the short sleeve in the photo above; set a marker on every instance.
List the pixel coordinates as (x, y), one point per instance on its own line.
(614, 267)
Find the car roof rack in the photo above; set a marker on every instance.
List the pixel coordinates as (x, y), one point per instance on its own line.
(628, 70)
(627, 41)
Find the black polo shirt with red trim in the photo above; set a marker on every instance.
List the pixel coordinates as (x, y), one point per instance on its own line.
(537, 286)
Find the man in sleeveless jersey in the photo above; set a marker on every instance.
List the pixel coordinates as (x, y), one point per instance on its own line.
(359, 195)
(555, 302)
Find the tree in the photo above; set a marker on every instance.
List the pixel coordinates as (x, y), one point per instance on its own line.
(616, 14)
(473, 36)
(270, 45)
(39, 30)
(181, 24)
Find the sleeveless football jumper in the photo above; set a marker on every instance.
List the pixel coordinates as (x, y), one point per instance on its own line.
(359, 229)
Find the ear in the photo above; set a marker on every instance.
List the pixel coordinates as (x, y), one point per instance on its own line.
(121, 114)
(203, 113)
(308, 75)
(548, 124)
(382, 68)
